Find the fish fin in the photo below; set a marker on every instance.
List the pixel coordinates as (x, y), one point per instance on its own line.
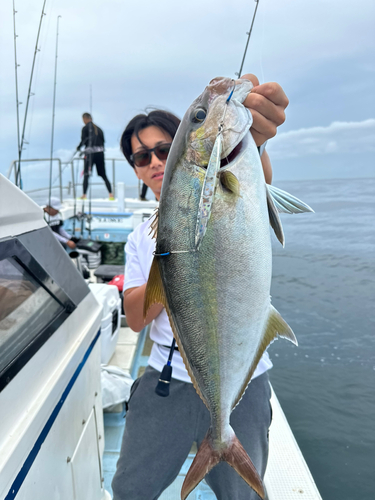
(287, 203)
(230, 182)
(155, 294)
(154, 290)
(154, 224)
(207, 457)
(275, 326)
(274, 217)
(183, 355)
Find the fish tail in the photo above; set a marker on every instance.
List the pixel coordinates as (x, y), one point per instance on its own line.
(207, 457)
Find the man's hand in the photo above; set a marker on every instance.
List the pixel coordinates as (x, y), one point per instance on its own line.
(267, 103)
(71, 244)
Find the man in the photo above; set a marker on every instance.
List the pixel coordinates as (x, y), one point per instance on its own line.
(92, 138)
(54, 221)
(159, 431)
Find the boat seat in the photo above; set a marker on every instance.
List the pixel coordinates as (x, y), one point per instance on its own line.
(106, 272)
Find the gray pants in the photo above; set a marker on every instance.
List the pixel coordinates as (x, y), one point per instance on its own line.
(159, 433)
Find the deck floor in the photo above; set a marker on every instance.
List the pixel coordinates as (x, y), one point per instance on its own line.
(131, 355)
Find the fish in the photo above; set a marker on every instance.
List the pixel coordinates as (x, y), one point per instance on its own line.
(213, 261)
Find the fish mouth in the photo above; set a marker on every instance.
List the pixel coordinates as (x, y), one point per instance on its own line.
(234, 153)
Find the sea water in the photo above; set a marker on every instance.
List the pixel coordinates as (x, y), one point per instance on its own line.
(324, 287)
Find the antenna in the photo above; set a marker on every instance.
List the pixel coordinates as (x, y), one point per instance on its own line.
(248, 38)
(29, 94)
(16, 76)
(53, 112)
(90, 99)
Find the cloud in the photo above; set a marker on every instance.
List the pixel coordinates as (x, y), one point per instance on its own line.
(339, 137)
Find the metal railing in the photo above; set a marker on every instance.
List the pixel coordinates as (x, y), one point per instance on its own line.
(15, 163)
(72, 184)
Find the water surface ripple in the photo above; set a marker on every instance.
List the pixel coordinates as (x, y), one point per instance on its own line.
(324, 287)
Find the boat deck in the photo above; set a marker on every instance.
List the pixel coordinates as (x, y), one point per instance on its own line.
(287, 476)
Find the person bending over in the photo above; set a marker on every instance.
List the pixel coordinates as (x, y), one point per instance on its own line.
(52, 209)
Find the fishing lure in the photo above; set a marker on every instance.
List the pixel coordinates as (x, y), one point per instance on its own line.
(209, 184)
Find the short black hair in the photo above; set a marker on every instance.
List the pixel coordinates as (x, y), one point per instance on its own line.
(87, 115)
(164, 120)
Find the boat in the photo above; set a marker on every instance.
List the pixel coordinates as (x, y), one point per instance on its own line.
(52, 435)
(96, 218)
(55, 440)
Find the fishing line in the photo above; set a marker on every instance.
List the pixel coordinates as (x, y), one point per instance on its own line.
(263, 13)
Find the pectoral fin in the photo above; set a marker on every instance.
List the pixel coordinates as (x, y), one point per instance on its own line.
(274, 217)
(154, 290)
(230, 182)
(287, 203)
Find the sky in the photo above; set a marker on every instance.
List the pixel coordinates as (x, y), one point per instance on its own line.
(133, 55)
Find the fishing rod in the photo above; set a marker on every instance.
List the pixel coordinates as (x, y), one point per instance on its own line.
(248, 38)
(16, 77)
(90, 167)
(75, 176)
(53, 111)
(65, 166)
(29, 94)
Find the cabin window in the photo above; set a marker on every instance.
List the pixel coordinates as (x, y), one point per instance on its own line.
(32, 307)
(26, 308)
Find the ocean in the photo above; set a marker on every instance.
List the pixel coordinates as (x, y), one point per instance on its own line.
(324, 287)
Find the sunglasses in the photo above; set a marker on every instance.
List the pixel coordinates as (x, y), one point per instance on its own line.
(143, 158)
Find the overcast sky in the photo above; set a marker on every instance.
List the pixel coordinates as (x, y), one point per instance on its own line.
(147, 53)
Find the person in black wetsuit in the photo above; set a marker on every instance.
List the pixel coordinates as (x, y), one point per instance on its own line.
(92, 138)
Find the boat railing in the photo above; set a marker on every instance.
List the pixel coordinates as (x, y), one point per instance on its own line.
(63, 165)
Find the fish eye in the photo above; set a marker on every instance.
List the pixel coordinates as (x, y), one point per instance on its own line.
(199, 115)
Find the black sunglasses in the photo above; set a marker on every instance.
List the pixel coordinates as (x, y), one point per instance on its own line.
(143, 158)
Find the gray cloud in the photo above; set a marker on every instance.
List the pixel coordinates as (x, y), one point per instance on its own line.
(164, 53)
(339, 137)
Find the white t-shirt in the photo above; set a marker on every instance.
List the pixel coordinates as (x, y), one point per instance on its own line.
(139, 255)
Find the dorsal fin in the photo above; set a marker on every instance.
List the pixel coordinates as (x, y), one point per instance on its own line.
(154, 223)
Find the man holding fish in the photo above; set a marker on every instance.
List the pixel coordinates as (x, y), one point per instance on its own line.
(212, 299)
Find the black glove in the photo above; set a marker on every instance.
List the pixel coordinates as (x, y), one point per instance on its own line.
(75, 239)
